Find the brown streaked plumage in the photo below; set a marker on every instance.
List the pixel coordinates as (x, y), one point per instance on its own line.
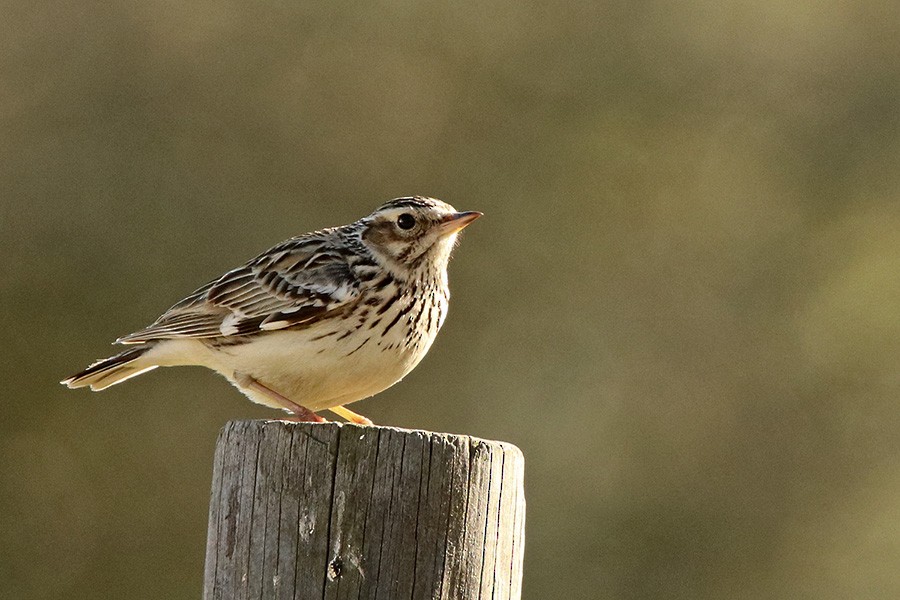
(316, 322)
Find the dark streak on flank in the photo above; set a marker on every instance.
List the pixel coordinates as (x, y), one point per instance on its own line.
(430, 310)
(387, 305)
(324, 335)
(417, 319)
(365, 341)
(400, 313)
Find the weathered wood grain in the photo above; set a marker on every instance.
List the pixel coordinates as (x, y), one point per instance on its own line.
(328, 511)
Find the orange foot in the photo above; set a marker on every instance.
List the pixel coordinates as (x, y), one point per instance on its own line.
(351, 416)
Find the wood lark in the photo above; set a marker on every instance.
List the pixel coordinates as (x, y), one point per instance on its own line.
(318, 321)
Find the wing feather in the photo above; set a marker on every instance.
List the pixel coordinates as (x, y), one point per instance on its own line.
(296, 283)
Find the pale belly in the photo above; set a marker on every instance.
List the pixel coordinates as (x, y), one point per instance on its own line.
(317, 374)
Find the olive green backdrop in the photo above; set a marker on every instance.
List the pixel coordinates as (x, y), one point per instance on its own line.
(683, 302)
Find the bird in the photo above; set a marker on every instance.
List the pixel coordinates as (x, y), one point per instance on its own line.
(316, 322)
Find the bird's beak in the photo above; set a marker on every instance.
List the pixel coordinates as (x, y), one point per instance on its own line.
(457, 221)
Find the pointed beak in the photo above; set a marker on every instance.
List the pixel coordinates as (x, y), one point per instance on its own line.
(457, 221)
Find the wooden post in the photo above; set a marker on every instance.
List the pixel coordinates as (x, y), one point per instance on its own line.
(331, 511)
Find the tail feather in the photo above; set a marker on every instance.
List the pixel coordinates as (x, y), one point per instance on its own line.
(110, 371)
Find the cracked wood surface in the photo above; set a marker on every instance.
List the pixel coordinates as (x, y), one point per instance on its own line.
(331, 511)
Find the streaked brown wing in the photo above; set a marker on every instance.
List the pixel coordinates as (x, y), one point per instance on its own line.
(294, 283)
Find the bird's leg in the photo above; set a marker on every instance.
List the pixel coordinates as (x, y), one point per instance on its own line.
(298, 413)
(351, 416)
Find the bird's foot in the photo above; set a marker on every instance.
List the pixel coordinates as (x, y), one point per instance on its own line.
(299, 413)
(352, 417)
(306, 417)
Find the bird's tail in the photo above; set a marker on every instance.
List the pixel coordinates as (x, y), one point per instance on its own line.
(112, 370)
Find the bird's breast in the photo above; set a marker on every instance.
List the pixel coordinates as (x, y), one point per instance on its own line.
(348, 357)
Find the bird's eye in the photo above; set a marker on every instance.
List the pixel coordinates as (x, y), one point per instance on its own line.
(406, 221)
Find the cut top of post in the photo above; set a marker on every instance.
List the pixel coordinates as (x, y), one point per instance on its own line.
(329, 510)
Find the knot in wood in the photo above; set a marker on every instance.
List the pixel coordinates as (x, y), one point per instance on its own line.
(334, 568)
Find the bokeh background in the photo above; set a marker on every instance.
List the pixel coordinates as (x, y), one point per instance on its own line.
(683, 303)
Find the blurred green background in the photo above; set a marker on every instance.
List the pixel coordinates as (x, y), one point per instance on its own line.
(683, 303)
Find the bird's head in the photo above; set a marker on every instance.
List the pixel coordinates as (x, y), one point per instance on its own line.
(415, 233)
